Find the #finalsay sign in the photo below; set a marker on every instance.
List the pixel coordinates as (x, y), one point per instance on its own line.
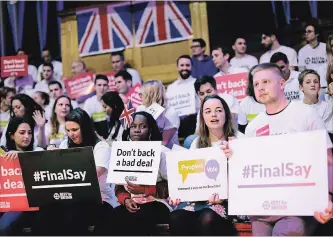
(234, 84)
(136, 162)
(14, 66)
(80, 85)
(194, 175)
(67, 175)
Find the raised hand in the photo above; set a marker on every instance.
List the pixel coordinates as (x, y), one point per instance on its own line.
(39, 118)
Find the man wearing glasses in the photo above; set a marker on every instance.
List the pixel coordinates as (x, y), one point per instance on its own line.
(271, 43)
(312, 55)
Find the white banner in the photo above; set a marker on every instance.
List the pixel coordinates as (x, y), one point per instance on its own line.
(182, 99)
(279, 175)
(194, 175)
(136, 162)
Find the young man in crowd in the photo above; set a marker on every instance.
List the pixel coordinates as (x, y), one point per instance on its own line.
(283, 117)
(119, 64)
(123, 80)
(202, 64)
(57, 66)
(78, 67)
(291, 88)
(48, 76)
(94, 108)
(270, 42)
(242, 59)
(313, 54)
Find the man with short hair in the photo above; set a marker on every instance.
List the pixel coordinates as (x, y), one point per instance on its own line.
(313, 54)
(123, 81)
(94, 108)
(32, 70)
(202, 64)
(57, 66)
(118, 64)
(242, 59)
(291, 88)
(270, 42)
(283, 117)
(48, 76)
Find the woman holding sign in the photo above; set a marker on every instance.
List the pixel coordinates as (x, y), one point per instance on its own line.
(154, 102)
(19, 138)
(206, 218)
(142, 206)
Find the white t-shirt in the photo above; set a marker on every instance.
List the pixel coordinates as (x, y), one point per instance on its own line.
(4, 140)
(43, 85)
(58, 138)
(312, 58)
(57, 70)
(289, 52)
(232, 70)
(251, 108)
(322, 70)
(167, 120)
(32, 71)
(135, 76)
(4, 120)
(194, 144)
(94, 109)
(247, 62)
(291, 90)
(296, 117)
(109, 139)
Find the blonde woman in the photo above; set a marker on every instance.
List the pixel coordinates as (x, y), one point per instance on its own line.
(153, 102)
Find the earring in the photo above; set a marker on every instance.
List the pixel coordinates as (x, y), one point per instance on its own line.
(149, 137)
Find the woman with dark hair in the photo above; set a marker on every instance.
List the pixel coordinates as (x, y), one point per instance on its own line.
(41, 98)
(20, 138)
(249, 105)
(113, 106)
(142, 206)
(25, 107)
(207, 217)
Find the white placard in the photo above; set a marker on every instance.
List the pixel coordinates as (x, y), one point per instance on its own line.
(137, 162)
(194, 175)
(176, 147)
(283, 175)
(155, 110)
(182, 99)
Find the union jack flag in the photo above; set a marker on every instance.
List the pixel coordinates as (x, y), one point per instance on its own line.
(126, 117)
(158, 22)
(103, 29)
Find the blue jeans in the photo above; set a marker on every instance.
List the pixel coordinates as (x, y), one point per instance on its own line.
(188, 141)
(8, 221)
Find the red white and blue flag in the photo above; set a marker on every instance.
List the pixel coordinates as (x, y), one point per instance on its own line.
(126, 117)
(103, 29)
(159, 22)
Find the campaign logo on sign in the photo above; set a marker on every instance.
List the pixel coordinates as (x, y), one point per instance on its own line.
(234, 84)
(60, 175)
(80, 85)
(14, 66)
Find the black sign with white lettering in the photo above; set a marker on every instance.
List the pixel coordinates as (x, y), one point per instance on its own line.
(67, 175)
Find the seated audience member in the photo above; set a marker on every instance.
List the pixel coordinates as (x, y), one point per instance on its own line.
(74, 218)
(327, 94)
(202, 64)
(123, 81)
(206, 218)
(32, 70)
(6, 96)
(94, 108)
(168, 121)
(55, 131)
(118, 64)
(47, 77)
(242, 59)
(291, 87)
(56, 65)
(309, 84)
(323, 70)
(22, 84)
(19, 138)
(78, 67)
(113, 107)
(139, 212)
(25, 107)
(43, 99)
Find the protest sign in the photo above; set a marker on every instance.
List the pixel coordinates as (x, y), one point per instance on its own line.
(112, 82)
(136, 162)
(194, 175)
(80, 85)
(182, 99)
(14, 66)
(12, 191)
(155, 110)
(67, 175)
(279, 175)
(134, 95)
(233, 84)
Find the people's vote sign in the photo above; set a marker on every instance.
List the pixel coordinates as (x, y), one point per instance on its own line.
(112, 82)
(283, 175)
(80, 85)
(14, 66)
(135, 162)
(182, 99)
(233, 84)
(12, 191)
(66, 176)
(195, 175)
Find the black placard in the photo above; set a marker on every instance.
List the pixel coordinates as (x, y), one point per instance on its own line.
(66, 175)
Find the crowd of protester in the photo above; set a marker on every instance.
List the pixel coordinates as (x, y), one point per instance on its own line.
(290, 91)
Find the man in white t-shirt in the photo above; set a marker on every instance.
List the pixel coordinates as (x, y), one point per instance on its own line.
(48, 76)
(242, 59)
(271, 43)
(57, 66)
(118, 64)
(291, 89)
(312, 55)
(94, 108)
(282, 117)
